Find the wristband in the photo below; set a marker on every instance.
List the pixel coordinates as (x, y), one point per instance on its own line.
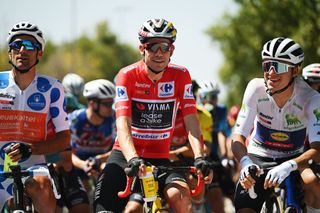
(294, 165)
(245, 161)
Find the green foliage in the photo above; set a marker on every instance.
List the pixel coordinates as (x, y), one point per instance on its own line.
(242, 36)
(99, 57)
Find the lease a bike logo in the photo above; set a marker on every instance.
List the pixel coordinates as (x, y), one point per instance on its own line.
(166, 89)
(188, 94)
(121, 93)
(36, 101)
(152, 115)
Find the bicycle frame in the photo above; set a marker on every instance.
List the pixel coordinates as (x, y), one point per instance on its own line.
(289, 197)
(18, 187)
(157, 205)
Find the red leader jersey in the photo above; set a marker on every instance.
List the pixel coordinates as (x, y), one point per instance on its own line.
(153, 106)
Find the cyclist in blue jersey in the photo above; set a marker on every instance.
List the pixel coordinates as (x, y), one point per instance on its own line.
(281, 110)
(222, 184)
(92, 129)
(33, 117)
(74, 195)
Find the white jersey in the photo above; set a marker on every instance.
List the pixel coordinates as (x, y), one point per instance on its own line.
(279, 132)
(29, 116)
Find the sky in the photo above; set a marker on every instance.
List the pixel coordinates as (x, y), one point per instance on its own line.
(65, 20)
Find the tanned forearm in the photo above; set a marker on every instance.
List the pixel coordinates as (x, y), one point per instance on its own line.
(60, 142)
(238, 146)
(125, 138)
(312, 153)
(194, 134)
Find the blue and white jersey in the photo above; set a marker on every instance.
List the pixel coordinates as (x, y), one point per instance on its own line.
(88, 140)
(279, 132)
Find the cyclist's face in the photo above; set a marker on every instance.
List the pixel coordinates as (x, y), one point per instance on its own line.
(276, 81)
(23, 58)
(156, 53)
(105, 107)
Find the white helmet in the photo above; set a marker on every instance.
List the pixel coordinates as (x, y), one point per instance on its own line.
(157, 28)
(27, 28)
(100, 89)
(208, 87)
(311, 73)
(73, 84)
(284, 49)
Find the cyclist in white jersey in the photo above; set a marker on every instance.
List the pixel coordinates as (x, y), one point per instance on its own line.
(311, 75)
(281, 110)
(33, 119)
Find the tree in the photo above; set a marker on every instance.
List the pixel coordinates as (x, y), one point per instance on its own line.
(99, 57)
(241, 37)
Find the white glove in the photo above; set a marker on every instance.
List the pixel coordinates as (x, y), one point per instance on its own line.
(279, 173)
(245, 163)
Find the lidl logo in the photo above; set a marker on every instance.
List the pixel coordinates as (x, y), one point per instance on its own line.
(166, 89)
(121, 93)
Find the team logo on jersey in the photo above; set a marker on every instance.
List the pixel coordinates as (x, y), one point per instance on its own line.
(279, 136)
(188, 92)
(166, 89)
(121, 93)
(316, 113)
(6, 98)
(36, 101)
(292, 120)
(4, 80)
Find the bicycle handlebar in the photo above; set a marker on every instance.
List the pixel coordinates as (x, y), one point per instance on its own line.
(191, 169)
(33, 171)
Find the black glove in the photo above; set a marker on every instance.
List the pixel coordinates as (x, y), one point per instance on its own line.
(203, 165)
(24, 149)
(133, 166)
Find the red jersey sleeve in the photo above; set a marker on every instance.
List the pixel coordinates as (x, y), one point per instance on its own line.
(123, 94)
(187, 101)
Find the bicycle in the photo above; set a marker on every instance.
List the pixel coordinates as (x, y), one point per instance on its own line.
(154, 203)
(284, 198)
(22, 203)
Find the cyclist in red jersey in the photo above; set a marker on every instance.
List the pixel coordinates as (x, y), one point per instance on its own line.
(148, 94)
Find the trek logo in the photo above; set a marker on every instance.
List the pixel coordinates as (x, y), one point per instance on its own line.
(188, 94)
(121, 93)
(166, 89)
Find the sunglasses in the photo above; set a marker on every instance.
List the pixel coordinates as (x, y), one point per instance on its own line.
(28, 45)
(107, 104)
(153, 47)
(277, 66)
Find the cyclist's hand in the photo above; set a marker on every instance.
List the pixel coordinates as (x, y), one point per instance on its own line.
(135, 165)
(246, 180)
(204, 166)
(276, 175)
(18, 151)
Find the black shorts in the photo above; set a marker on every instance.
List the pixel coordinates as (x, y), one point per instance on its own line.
(73, 191)
(113, 179)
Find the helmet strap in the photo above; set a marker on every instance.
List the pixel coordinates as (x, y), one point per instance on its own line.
(96, 109)
(278, 91)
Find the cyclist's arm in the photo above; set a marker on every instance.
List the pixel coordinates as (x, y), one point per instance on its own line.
(311, 153)
(238, 146)
(194, 134)
(59, 142)
(123, 124)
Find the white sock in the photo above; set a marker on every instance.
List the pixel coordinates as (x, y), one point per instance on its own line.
(312, 210)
